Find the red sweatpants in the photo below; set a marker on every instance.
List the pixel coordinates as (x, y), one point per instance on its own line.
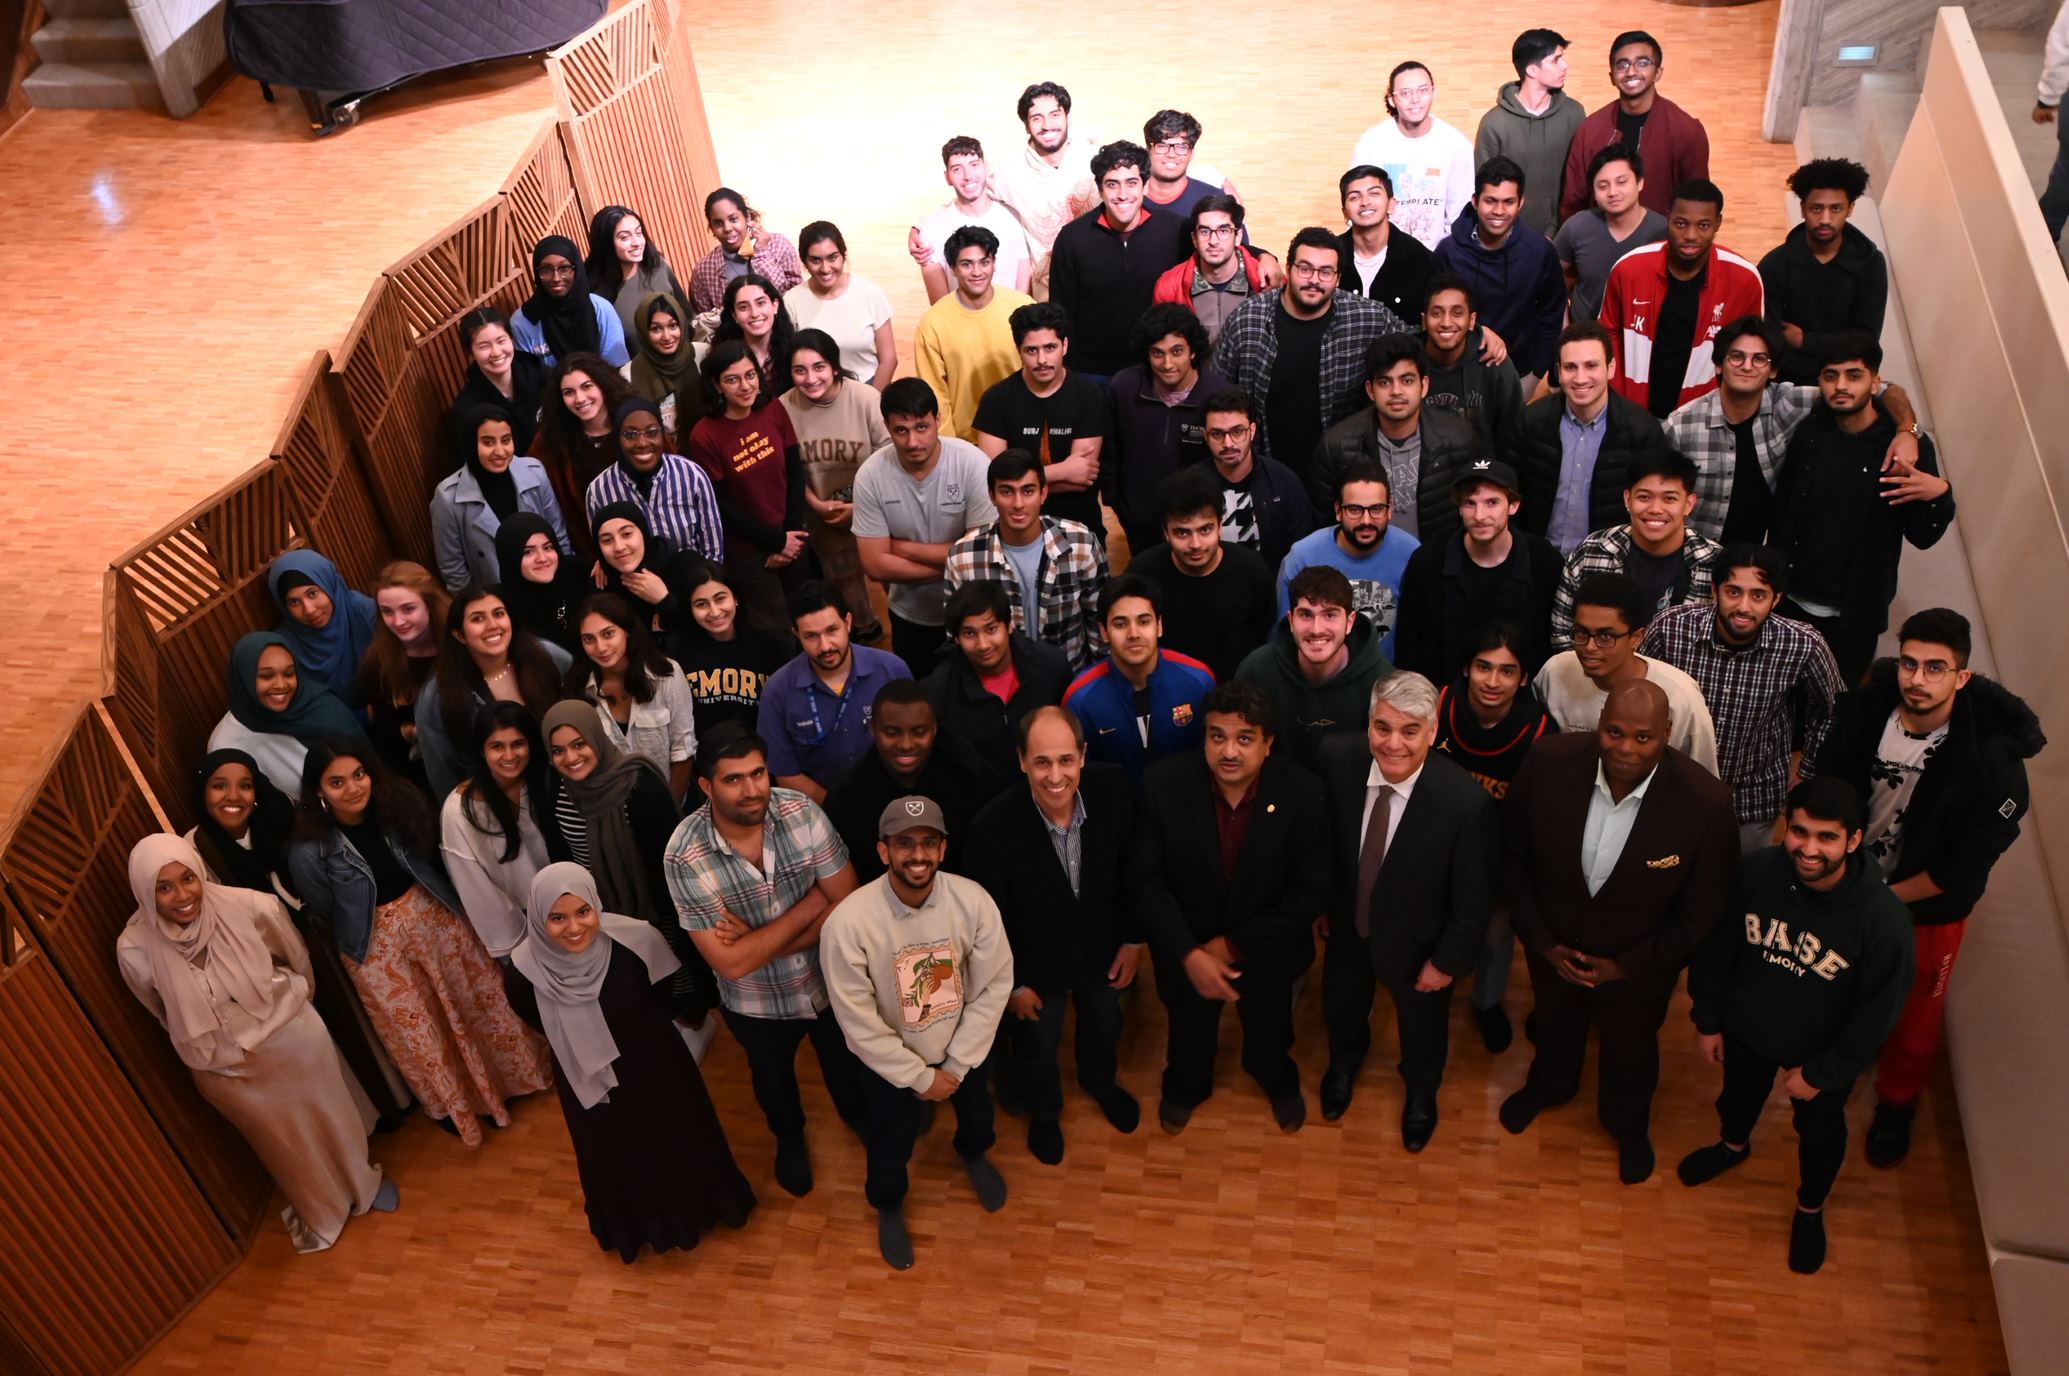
(1908, 1056)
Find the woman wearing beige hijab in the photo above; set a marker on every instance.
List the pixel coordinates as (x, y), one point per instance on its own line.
(225, 973)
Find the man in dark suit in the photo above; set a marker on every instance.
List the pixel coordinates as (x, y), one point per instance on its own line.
(1050, 852)
(1417, 848)
(1622, 854)
(1230, 872)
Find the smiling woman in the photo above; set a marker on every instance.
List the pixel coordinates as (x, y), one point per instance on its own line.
(484, 656)
(275, 710)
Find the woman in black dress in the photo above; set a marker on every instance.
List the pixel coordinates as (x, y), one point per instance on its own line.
(655, 1167)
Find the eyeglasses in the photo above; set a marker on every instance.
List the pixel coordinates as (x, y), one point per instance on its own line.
(1234, 432)
(1631, 64)
(1931, 670)
(1308, 272)
(1352, 512)
(564, 270)
(1739, 358)
(1215, 232)
(1173, 145)
(652, 432)
(1601, 640)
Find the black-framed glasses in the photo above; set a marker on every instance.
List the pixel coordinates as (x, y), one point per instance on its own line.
(1601, 640)
(1355, 512)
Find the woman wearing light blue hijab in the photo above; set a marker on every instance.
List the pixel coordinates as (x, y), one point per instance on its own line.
(324, 621)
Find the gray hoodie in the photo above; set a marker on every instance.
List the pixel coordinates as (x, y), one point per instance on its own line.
(1536, 143)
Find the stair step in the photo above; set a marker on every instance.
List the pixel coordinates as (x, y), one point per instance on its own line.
(68, 86)
(85, 9)
(89, 40)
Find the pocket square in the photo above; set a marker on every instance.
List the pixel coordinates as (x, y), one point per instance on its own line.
(1665, 862)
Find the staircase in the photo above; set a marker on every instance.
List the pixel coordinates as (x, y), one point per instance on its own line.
(92, 58)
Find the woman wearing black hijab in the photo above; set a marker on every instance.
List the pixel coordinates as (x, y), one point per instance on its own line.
(492, 484)
(644, 568)
(562, 316)
(542, 586)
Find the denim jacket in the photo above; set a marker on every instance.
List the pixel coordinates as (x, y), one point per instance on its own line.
(337, 886)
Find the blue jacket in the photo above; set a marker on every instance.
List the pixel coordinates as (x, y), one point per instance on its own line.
(1519, 289)
(1104, 701)
(610, 334)
(337, 885)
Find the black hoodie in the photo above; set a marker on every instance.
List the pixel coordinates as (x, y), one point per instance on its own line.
(1849, 293)
(1965, 811)
(1808, 979)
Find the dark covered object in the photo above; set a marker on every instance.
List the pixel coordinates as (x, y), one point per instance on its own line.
(367, 45)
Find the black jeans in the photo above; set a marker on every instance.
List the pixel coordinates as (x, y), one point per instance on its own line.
(895, 1116)
(1039, 1042)
(917, 645)
(1423, 1020)
(1820, 1121)
(771, 1046)
(1194, 1035)
(1627, 1016)
(1852, 648)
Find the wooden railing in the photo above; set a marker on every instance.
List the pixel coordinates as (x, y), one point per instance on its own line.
(125, 1195)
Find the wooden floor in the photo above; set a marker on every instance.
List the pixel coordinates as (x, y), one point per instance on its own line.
(172, 279)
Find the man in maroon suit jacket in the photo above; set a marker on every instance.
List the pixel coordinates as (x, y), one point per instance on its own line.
(1621, 854)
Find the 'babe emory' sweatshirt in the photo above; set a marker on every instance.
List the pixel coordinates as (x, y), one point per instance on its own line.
(917, 988)
(1807, 979)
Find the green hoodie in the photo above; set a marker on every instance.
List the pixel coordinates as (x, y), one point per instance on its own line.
(1537, 144)
(1309, 711)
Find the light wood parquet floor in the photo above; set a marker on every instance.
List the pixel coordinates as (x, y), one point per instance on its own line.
(175, 278)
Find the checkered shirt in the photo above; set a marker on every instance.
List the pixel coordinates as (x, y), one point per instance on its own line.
(1073, 573)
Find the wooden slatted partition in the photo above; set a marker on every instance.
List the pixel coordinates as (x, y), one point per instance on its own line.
(317, 448)
(539, 199)
(175, 605)
(633, 117)
(108, 1239)
(66, 867)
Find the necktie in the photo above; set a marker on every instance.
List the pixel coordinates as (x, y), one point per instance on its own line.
(1371, 855)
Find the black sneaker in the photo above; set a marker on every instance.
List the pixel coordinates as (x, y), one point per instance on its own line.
(1889, 1134)
(793, 1164)
(1634, 1161)
(1519, 1110)
(1496, 1031)
(1705, 1164)
(892, 1240)
(1172, 1117)
(1291, 1113)
(1807, 1242)
(989, 1184)
(1045, 1141)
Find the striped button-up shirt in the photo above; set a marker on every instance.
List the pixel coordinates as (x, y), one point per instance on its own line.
(1766, 699)
(1249, 346)
(1703, 436)
(683, 509)
(1073, 574)
(1609, 551)
(708, 879)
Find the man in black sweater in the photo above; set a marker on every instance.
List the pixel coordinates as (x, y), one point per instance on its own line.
(908, 755)
(1107, 261)
(1052, 853)
(991, 677)
(1809, 984)
(1827, 275)
(1489, 570)
(1218, 595)
(1843, 509)
(1941, 756)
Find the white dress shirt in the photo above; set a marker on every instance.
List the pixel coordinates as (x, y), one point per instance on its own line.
(1608, 828)
(1374, 781)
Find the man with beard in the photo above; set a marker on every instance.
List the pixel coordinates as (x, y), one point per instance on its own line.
(992, 677)
(1463, 383)
(1047, 182)
(1107, 261)
(1610, 614)
(1843, 510)
(1363, 547)
(815, 710)
(1655, 547)
(1220, 273)
(1421, 451)
(1515, 275)
(1941, 755)
(1392, 269)
(1217, 596)
(1827, 275)
(753, 873)
(1264, 506)
(1051, 411)
(918, 970)
(1300, 349)
(1159, 418)
(1769, 682)
(1673, 142)
(910, 754)
(1621, 859)
(1808, 986)
(1319, 666)
(1489, 571)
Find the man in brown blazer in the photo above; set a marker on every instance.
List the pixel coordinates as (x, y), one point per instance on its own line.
(1621, 855)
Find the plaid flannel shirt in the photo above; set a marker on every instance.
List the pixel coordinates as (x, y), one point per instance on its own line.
(774, 258)
(707, 879)
(1702, 435)
(1073, 574)
(1766, 699)
(1249, 346)
(1606, 552)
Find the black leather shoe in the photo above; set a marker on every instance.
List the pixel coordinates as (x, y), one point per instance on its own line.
(1634, 1161)
(1172, 1117)
(1418, 1121)
(1045, 1141)
(892, 1240)
(1889, 1134)
(1520, 1110)
(1120, 1109)
(1336, 1092)
(793, 1164)
(1496, 1032)
(1291, 1113)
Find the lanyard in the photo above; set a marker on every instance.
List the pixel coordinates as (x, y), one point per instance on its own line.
(812, 701)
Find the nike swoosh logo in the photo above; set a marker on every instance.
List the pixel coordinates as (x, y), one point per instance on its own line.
(1108, 730)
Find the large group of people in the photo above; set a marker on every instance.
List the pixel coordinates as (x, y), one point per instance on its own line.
(1503, 566)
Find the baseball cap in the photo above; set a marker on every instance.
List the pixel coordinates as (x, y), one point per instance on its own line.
(1486, 471)
(909, 813)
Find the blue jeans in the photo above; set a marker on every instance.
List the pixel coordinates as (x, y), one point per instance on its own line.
(2054, 201)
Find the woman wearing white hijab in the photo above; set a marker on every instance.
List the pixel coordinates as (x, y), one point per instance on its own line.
(225, 973)
(655, 1167)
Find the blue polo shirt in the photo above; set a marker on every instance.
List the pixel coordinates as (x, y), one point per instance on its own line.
(817, 733)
